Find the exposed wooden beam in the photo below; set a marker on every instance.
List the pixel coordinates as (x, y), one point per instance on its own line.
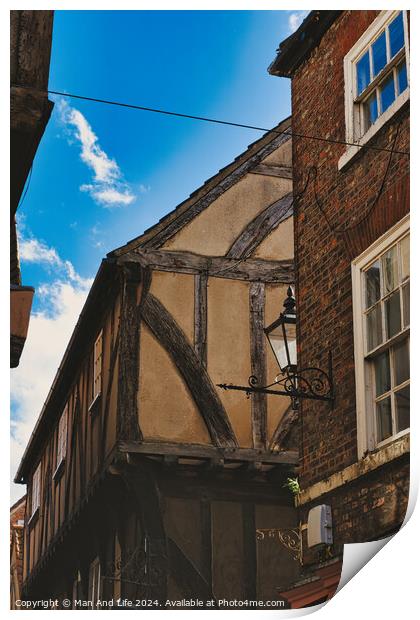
(261, 226)
(200, 316)
(176, 220)
(289, 457)
(129, 353)
(251, 269)
(283, 172)
(191, 583)
(172, 338)
(284, 427)
(258, 363)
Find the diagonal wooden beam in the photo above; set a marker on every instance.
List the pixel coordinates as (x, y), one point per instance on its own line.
(261, 226)
(172, 338)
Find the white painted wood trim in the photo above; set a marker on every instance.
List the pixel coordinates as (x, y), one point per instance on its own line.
(364, 413)
(350, 87)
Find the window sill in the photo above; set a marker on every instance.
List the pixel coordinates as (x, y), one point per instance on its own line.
(94, 405)
(353, 151)
(34, 518)
(388, 442)
(59, 470)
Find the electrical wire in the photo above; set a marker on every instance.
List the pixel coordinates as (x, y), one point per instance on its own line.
(206, 119)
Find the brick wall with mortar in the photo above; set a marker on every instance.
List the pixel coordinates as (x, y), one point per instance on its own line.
(323, 258)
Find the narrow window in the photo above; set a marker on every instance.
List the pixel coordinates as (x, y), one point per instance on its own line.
(97, 367)
(36, 490)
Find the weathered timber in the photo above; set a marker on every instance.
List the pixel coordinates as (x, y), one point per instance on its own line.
(142, 485)
(172, 338)
(258, 363)
(283, 429)
(189, 580)
(250, 551)
(251, 269)
(200, 317)
(208, 452)
(206, 541)
(113, 360)
(128, 367)
(283, 172)
(258, 229)
(71, 452)
(208, 193)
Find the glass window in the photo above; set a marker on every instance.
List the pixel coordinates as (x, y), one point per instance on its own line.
(363, 73)
(379, 54)
(387, 318)
(380, 73)
(396, 34)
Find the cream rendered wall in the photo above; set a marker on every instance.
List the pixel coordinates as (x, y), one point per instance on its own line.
(214, 230)
(228, 354)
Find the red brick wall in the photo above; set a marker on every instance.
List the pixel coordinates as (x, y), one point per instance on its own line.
(323, 257)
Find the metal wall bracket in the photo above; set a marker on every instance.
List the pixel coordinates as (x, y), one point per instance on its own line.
(291, 539)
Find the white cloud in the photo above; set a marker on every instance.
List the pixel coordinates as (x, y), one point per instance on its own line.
(295, 19)
(60, 301)
(108, 187)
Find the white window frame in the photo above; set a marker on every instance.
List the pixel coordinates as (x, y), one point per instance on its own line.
(97, 367)
(36, 490)
(350, 86)
(95, 589)
(364, 389)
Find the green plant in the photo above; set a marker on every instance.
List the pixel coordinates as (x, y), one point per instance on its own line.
(293, 485)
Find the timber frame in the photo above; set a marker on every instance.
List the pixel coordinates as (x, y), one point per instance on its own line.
(208, 463)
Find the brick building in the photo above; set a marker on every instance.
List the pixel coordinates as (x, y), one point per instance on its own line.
(349, 75)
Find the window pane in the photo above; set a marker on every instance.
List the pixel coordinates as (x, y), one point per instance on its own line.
(401, 363)
(382, 374)
(363, 73)
(402, 77)
(371, 110)
(396, 34)
(390, 270)
(393, 314)
(405, 257)
(373, 286)
(406, 304)
(387, 93)
(384, 419)
(402, 404)
(379, 54)
(374, 327)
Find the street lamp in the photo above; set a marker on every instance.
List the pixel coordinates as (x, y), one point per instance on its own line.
(310, 382)
(282, 335)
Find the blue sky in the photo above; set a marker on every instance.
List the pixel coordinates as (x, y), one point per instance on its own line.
(103, 174)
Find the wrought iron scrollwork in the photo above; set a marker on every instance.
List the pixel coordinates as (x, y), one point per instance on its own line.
(291, 539)
(310, 382)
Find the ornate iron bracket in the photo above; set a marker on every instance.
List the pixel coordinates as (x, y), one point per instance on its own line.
(291, 539)
(311, 382)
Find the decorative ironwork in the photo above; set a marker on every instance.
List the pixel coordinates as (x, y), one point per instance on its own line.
(138, 569)
(308, 382)
(291, 539)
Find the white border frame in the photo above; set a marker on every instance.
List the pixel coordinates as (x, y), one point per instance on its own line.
(365, 431)
(349, 85)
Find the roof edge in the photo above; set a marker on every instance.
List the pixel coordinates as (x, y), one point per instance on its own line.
(294, 50)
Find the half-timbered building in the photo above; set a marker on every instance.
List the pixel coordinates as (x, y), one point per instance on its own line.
(145, 480)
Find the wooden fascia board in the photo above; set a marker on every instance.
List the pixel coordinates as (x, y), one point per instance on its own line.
(190, 450)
